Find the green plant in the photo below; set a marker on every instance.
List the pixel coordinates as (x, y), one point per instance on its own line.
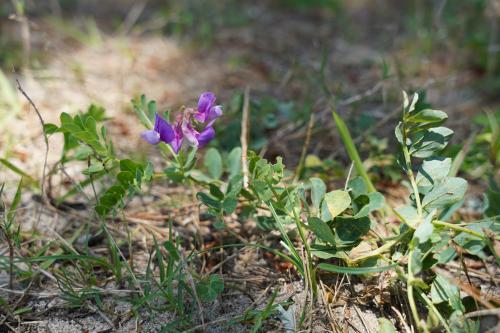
(342, 221)
(10, 230)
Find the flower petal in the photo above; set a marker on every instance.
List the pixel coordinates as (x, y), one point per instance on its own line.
(164, 129)
(206, 136)
(215, 112)
(205, 103)
(189, 133)
(151, 137)
(176, 144)
(201, 117)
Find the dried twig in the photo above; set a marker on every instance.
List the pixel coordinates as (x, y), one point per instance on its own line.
(244, 136)
(46, 139)
(401, 319)
(484, 312)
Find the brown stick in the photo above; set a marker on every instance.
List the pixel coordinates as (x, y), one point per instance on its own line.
(244, 136)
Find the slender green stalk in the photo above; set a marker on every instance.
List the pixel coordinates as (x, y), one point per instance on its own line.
(297, 261)
(458, 228)
(409, 291)
(410, 277)
(414, 186)
(352, 151)
(310, 272)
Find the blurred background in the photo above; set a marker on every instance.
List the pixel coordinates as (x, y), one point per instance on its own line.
(300, 59)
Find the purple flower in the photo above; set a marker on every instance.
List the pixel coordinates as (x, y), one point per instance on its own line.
(162, 131)
(206, 136)
(183, 129)
(176, 143)
(207, 111)
(195, 138)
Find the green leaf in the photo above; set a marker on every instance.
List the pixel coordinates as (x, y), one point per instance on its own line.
(50, 128)
(417, 256)
(94, 168)
(152, 109)
(446, 255)
(91, 126)
(337, 201)
(172, 250)
(424, 230)
(148, 171)
(86, 137)
(442, 290)
(409, 215)
(125, 177)
(376, 201)
(325, 214)
(208, 290)
(445, 193)
(327, 251)
(129, 165)
(190, 160)
(216, 192)
(432, 171)
(16, 169)
(427, 116)
(318, 189)
(229, 205)
(460, 324)
(350, 229)
(234, 186)
(66, 119)
(102, 210)
(208, 200)
(386, 326)
(321, 229)
(471, 243)
(234, 162)
(197, 175)
(430, 142)
(83, 152)
(15, 202)
(357, 186)
(139, 107)
(354, 270)
(213, 163)
(398, 133)
(110, 199)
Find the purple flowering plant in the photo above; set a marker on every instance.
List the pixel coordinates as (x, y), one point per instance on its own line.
(191, 127)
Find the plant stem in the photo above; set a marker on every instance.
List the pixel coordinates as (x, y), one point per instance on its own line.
(414, 186)
(310, 272)
(458, 228)
(411, 278)
(409, 291)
